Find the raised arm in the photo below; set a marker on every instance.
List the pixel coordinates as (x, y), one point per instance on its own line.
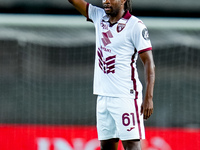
(80, 5)
(149, 69)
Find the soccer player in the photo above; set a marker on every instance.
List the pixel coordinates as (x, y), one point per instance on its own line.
(120, 39)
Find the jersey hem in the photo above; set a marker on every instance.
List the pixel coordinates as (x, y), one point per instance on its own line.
(132, 96)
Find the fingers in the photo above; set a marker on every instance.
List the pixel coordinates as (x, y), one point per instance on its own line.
(147, 109)
(141, 111)
(147, 113)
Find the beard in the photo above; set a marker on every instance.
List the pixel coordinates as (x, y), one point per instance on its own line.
(110, 11)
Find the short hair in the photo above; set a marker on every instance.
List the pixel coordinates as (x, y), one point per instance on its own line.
(127, 5)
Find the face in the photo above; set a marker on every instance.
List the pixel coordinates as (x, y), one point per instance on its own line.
(113, 7)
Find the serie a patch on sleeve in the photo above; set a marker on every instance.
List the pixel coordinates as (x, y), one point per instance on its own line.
(145, 34)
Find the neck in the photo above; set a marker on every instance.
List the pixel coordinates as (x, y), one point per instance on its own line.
(114, 19)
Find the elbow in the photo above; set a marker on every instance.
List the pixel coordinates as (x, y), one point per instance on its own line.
(151, 74)
(153, 68)
(154, 76)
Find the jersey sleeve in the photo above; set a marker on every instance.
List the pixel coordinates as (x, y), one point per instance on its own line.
(94, 13)
(140, 37)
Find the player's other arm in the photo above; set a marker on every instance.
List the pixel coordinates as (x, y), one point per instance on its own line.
(149, 70)
(80, 5)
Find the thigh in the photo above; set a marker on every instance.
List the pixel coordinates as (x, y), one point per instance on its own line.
(111, 144)
(132, 145)
(128, 120)
(106, 127)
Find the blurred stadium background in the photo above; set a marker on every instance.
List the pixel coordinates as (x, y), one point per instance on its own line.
(46, 75)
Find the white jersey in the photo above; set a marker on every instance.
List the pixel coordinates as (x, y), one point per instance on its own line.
(117, 49)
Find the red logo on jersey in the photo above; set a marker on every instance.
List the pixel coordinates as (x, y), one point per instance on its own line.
(107, 65)
(120, 27)
(106, 36)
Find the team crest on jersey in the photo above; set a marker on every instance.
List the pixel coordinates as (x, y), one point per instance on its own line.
(145, 34)
(120, 27)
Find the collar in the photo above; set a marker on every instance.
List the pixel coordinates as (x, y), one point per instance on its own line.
(124, 18)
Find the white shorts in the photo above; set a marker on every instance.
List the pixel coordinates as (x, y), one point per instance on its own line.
(119, 118)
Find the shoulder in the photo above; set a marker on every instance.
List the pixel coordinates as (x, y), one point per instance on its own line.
(94, 12)
(95, 9)
(137, 27)
(136, 22)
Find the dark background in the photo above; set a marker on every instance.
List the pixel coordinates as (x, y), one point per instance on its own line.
(169, 8)
(46, 72)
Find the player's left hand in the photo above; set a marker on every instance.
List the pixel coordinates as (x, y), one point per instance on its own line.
(147, 109)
